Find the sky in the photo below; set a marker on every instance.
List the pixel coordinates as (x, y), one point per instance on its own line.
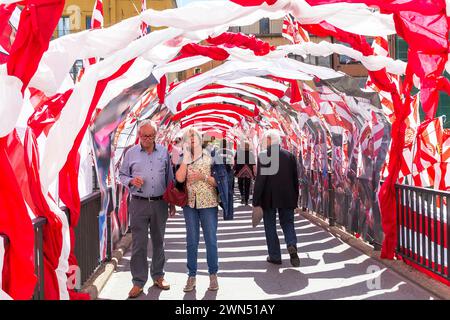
(182, 3)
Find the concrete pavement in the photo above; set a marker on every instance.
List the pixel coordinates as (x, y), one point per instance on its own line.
(330, 268)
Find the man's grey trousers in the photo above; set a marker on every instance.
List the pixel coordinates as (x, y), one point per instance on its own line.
(145, 214)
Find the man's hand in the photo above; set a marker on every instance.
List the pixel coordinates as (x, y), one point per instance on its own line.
(172, 210)
(137, 182)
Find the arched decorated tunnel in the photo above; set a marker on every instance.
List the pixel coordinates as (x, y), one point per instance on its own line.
(366, 159)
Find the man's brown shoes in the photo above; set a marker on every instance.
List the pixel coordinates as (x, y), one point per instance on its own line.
(162, 284)
(135, 292)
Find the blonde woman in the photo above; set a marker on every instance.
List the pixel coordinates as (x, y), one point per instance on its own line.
(197, 171)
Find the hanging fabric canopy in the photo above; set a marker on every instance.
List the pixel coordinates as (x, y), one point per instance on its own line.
(324, 116)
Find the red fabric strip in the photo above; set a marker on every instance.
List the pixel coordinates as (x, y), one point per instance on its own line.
(38, 21)
(68, 176)
(18, 275)
(179, 116)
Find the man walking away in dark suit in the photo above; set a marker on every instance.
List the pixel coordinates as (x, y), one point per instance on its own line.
(277, 189)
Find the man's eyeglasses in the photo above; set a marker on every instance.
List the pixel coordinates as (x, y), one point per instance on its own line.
(144, 136)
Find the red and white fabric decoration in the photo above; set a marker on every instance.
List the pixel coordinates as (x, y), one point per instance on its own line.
(293, 31)
(429, 140)
(144, 26)
(423, 26)
(97, 15)
(96, 23)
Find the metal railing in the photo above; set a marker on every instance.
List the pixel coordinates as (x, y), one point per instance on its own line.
(110, 210)
(336, 206)
(317, 194)
(87, 248)
(38, 225)
(422, 227)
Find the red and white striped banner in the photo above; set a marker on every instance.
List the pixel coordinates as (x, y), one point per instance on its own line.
(293, 31)
(429, 142)
(144, 26)
(97, 15)
(96, 23)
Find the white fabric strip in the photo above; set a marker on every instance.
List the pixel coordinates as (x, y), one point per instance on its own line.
(140, 70)
(219, 117)
(263, 82)
(251, 89)
(218, 99)
(9, 1)
(228, 90)
(212, 111)
(179, 65)
(63, 51)
(352, 17)
(324, 49)
(211, 123)
(356, 18)
(63, 262)
(11, 102)
(232, 70)
(62, 134)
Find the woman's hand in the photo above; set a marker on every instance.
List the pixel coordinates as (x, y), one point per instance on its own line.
(194, 176)
(187, 155)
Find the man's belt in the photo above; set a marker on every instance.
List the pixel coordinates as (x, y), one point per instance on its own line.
(149, 198)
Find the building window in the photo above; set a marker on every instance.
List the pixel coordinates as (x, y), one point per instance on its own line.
(63, 26)
(180, 75)
(75, 70)
(264, 26)
(324, 61)
(401, 48)
(88, 22)
(310, 59)
(235, 29)
(197, 70)
(343, 59)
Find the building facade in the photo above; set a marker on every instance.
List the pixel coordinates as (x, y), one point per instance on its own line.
(271, 32)
(77, 14)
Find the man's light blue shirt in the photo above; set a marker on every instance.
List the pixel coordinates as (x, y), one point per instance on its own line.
(155, 168)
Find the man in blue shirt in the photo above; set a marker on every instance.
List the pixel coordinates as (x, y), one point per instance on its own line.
(147, 170)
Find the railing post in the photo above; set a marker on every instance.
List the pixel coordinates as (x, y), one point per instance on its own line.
(38, 224)
(447, 220)
(397, 209)
(331, 213)
(109, 227)
(95, 186)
